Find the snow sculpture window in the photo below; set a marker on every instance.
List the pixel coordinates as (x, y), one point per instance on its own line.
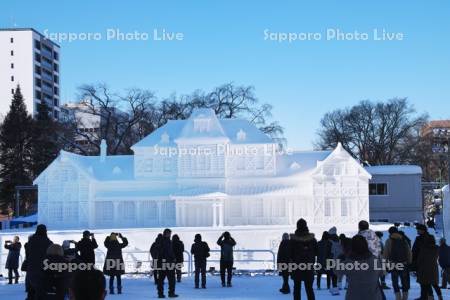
(70, 211)
(259, 164)
(204, 162)
(345, 207)
(256, 208)
(167, 165)
(235, 208)
(127, 210)
(104, 212)
(165, 138)
(149, 210)
(241, 135)
(201, 125)
(327, 207)
(279, 208)
(240, 162)
(147, 165)
(116, 170)
(55, 212)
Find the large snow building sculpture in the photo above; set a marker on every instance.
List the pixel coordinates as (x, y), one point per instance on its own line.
(203, 172)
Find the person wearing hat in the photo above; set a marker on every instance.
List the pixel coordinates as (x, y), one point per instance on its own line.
(283, 258)
(425, 255)
(200, 251)
(302, 252)
(86, 248)
(36, 251)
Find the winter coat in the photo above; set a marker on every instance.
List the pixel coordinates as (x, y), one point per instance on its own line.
(283, 252)
(163, 251)
(427, 267)
(336, 249)
(200, 251)
(36, 251)
(302, 250)
(418, 245)
(362, 284)
(226, 249)
(324, 252)
(86, 248)
(114, 257)
(12, 261)
(373, 241)
(178, 249)
(444, 256)
(56, 281)
(395, 244)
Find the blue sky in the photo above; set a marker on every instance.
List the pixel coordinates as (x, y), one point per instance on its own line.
(224, 42)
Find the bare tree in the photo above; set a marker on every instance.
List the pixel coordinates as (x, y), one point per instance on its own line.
(375, 132)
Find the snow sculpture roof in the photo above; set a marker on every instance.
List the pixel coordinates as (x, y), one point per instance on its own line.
(394, 170)
(299, 162)
(208, 129)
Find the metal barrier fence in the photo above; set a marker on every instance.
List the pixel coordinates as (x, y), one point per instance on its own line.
(140, 262)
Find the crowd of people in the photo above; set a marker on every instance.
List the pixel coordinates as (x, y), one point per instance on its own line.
(362, 262)
(338, 257)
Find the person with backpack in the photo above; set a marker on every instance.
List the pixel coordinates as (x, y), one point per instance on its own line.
(323, 255)
(178, 249)
(444, 262)
(336, 254)
(398, 251)
(282, 261)
(303, 252)
(226, 243)
(200, 251)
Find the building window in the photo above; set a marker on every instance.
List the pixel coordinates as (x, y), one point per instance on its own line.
(38, 95)
(12, 78)
(55, 102)
(55, 55)
(55, 90)
(12, 66)
(37, 57)
(327, 207)
(37, 70)
(12, 91)
(12, 52)
(167, 164)
(378, 189)
(37, 44)
(55, 67)
(201, 125)
(12, 40)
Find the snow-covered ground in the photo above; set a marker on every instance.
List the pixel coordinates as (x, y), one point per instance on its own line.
(244, 287)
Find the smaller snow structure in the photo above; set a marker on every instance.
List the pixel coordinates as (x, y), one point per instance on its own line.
(203, 171)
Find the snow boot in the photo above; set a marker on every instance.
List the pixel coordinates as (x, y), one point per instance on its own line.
(334, 291)
(161, 296)
(398, 296)
(229, 284)
(119, 290)
(173, 295)
(111, 290)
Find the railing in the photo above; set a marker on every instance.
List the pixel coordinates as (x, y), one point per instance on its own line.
(140, 262)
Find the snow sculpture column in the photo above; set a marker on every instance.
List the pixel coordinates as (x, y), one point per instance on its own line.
(221, 213)
(214, 207)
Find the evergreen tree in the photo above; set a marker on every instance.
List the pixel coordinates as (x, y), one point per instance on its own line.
(15, 149)
(44, 140)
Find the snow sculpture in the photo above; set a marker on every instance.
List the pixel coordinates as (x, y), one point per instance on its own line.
(203, 171)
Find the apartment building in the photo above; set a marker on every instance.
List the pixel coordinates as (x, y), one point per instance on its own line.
(29, 59)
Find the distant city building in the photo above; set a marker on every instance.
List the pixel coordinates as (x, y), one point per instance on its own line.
(439, 131)
(29, 59)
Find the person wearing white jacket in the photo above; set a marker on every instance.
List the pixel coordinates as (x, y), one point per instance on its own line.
(372, 239)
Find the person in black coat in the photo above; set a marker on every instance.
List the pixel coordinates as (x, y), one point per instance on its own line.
(444, 262)
(178, 249)
(303, 252)
(56, 281)
(86, 248)
(282, 262)
(114, 265)
(12, 261)
(323, 255)
(36, 251)
(154, 254)
(226, 243)
(166, 262)
(200, 251)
